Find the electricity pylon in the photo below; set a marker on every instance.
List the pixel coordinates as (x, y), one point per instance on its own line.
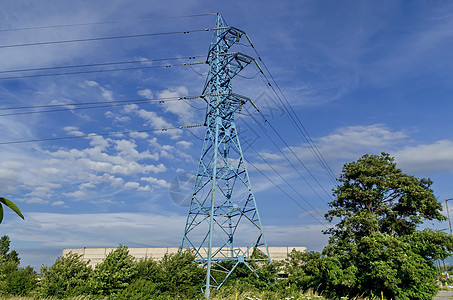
(223, 226)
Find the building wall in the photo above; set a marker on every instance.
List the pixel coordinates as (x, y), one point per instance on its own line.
(97, 255)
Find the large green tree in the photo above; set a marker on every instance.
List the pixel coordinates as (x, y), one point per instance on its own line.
(379, 208)
(376, 196)
(376, 248)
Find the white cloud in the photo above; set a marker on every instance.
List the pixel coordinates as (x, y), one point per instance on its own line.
(104, 91)
(76, 194)
(73, 130)
(116, 117)
(58, 203)
(157, 182)
(352, 142)
(153, 119)
(180, 108)
(36, 200)
(184, 144)
(139, 135)
(91, 83)
(146, 93)
(131, 185)
(426, 158)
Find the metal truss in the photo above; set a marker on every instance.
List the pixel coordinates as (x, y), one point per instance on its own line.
(223, 226)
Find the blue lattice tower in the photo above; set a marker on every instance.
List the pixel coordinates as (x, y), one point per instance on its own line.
(223, 225)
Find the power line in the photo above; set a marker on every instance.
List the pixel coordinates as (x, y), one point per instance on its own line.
(107, 22)
(101, 64)
(303, 132)
(288, 195)
(95, 105)
(100, 134)
(100, 71)
(104, 38)
(295, 119)
(301, 128)
(282, 178)
(286, 157)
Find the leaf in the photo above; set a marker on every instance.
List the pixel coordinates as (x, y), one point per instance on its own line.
(11, 205)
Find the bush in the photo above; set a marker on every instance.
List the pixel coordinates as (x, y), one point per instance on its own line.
(138, 290)
(115, 273)
(68, 276)
(180, 275)
(19, 282)
(14, 280)
(150, 270)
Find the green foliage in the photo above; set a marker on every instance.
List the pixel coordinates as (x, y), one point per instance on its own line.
(68, 276)
(149, 270)
(374, 195)
(375, 249)
(13, 279)
(115, 273)
(180, 274)
(5, 254)
(11, 205)
(174, 276)
(19, 282)
(390, 265)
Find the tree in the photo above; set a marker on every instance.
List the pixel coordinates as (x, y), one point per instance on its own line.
(19, 281)
(68, 276)
(375, 196)
(13, 279)
(5, 255)
(115, 273)
(10, 204)
(379, 208)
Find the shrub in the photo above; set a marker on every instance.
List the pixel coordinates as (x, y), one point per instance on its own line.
(115, 273)
(19, 282)
(180, 275)
(68, 276)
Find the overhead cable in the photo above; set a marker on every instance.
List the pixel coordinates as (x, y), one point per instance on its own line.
(105, 38)
(99, 71)
(101, 64)
(101, 134)
(91, 105)
(106, 22)
(294, 118)
(282, 178)
(284, 192)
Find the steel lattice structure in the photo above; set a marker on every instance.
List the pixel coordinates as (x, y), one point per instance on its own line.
(223, 208)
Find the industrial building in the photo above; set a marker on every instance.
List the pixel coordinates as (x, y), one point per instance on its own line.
(97, 255)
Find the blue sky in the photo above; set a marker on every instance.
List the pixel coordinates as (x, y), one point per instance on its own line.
(362, 76)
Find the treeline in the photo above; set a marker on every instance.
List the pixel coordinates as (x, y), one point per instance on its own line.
(119, 276)
(176, 276)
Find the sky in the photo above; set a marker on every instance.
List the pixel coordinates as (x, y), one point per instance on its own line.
(361, 76)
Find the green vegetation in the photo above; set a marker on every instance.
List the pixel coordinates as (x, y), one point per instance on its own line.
(11, 205)
(68, 276)
(13, 279)
(375, 251)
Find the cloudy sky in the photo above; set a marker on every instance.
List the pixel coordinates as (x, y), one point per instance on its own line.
(361, 76)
